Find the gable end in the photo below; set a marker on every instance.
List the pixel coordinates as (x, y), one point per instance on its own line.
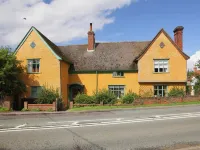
(26, 36)
(155, 38)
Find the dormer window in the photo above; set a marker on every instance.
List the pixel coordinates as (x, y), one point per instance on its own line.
(118, 74)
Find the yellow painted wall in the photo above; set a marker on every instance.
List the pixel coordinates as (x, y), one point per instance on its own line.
(177, 63)
(130, 80)
(64, 81)
(88, 80)
(49, 65)
(148, 88)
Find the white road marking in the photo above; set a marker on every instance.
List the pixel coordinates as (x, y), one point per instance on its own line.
(23, 125)
(101, 122)
(83, 120)
(75, 123)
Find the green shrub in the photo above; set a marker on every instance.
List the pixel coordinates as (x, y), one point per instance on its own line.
(129, 97)
(84, 99)
(47, 95)
(105, 96)
(35, 109)
(24, 109)
(147, 93)
(3, 109)
(176, 92)
(197, 85)
(50, 110)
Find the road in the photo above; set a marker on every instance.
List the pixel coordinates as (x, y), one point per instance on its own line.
(140, 129)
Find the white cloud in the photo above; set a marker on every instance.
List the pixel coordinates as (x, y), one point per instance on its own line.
(193, 59)
(60, 21)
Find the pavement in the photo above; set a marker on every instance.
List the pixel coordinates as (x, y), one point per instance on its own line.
(175, 128)
(16, 113)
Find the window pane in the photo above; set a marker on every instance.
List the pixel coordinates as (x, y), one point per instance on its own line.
(160, 92)
(30, 61)
(156, 70)
(165, 61)
(118, 90)
(35, 90)
(156, 61)
(155, 92)
(161, 70)
(33, 65)
(29, 68)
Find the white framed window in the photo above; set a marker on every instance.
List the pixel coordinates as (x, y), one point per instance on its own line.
(118, 90)
(118, 74)
(161, 65)
(33, 65)
(160, 90)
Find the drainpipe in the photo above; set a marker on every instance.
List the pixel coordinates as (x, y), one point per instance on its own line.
(96, 82)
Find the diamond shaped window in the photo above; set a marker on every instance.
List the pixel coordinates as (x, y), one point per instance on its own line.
(33, 44)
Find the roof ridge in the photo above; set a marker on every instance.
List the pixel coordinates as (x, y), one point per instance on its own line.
(105, 43)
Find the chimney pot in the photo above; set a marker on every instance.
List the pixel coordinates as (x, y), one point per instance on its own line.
(178, 36)
(90, 26)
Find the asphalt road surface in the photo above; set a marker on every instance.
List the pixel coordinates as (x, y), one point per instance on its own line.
(176, 128)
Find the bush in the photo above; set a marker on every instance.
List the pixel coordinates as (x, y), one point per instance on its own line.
(105, 96)
(50, 110)
(197, 86)
(24, 109)
(47, 95)
(176, 92)
(84, 99)
(147, 93)
(35, 109)
(129, 97)
(3, 109)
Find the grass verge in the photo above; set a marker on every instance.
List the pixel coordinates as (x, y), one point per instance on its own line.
(88, 108)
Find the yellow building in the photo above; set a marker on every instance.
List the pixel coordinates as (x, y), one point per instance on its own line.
(148, 68)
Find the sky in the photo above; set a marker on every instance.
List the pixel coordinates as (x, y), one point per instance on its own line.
(66, 22)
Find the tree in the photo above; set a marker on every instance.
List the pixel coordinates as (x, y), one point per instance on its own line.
(10, 70)
(197, 76)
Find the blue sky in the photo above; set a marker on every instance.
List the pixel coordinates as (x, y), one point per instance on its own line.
(142, 21)
(66, 22)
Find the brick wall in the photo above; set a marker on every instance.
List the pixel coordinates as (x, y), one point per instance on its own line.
(6, 102)
(165, 100)
(42, 107)
(148, 101)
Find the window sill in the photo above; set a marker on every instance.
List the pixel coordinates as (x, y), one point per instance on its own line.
(161, 72)
(34, 73)
(119, 77)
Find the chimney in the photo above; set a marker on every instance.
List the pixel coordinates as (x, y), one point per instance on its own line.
(178, 36)
(91, 39)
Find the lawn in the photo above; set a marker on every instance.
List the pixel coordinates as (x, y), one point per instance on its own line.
(88, 108)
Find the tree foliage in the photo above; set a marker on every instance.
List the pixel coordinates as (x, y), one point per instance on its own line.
(10, 69)
(197, 84)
